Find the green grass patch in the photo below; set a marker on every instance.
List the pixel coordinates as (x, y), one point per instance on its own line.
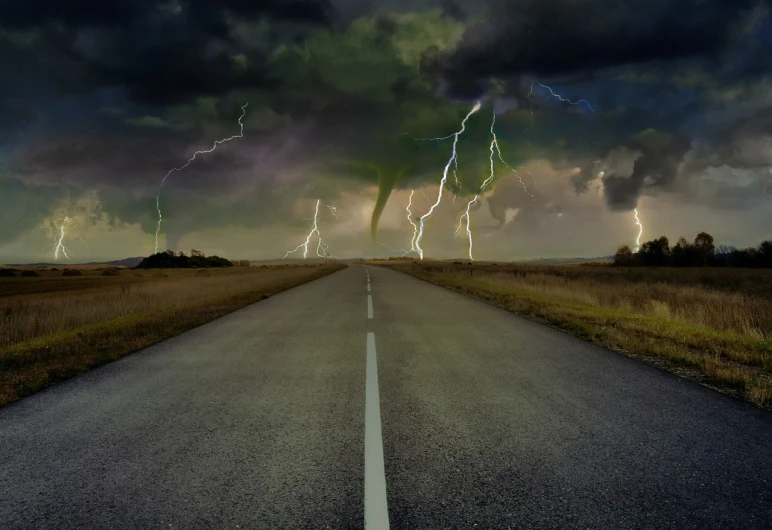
(727, 361)
(32, 365)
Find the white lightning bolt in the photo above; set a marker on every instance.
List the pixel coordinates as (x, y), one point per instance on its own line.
(640, 231)
(444, 179)
(314, 230)
(405, 251)
(191, 159)
(333, 211)
(412, 223)
(322, 249)
(510, 168)
(467, 214)
(59, 245)
(562, 99)
(401, 251)
(535, 184)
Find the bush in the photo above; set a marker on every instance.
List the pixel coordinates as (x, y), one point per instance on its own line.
(112, 271)
(7, 273)
(30, 274)
(72, 272)
(170, 260)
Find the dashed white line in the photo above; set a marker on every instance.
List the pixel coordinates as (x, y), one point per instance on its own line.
(376, 509)
(369, 306)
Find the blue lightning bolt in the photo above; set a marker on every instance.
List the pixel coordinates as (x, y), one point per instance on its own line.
(562, 99)
(444, 179)
(190, 160)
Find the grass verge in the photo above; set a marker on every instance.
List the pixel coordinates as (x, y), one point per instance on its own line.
(724, 360)
(29, 366)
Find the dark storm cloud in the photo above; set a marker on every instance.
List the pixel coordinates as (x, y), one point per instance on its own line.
(563, 37)
(22, 206)
(663, 161)
(160, 52)
(79, 13)
(657, 167)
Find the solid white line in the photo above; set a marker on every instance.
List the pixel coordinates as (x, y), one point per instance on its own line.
(376, 510)
(369, 306)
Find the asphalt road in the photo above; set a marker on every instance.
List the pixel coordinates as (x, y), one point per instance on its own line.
(397, 403)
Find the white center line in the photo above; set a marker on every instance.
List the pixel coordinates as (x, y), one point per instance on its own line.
(376, 510)
(368, 287)
(369, 306)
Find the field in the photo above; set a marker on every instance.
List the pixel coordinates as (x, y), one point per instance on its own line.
(54, 326)
(711, 325)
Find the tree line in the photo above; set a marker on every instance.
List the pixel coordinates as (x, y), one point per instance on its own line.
(700, 253)
(171, 260)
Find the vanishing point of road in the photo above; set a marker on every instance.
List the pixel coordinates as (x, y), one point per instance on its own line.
(371, 399)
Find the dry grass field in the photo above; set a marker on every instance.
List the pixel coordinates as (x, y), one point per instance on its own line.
(709, 324)
(54, 326)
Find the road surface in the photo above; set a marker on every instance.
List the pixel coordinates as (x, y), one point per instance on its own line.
(346, 403)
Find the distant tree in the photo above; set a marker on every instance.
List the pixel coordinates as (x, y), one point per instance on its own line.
(725, 250)
(702, 253)
(655, 253)
(765, 254)
(744, 257)
(683, 254)
(623, 256)
(724, 255)
(704, 248)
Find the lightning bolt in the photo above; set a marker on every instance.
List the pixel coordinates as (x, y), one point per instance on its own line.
(322, 249)
(412, 223)
(640, 231)
(535, 184)
(444, 179)
(59, 245)
(562, 99)
(494, 148)
(510, 168)
(530, 102)
(333, 211)
(401, 251)
(405, 251)
(190, 160)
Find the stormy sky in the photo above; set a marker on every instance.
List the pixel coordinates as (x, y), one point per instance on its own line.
(600, 107)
